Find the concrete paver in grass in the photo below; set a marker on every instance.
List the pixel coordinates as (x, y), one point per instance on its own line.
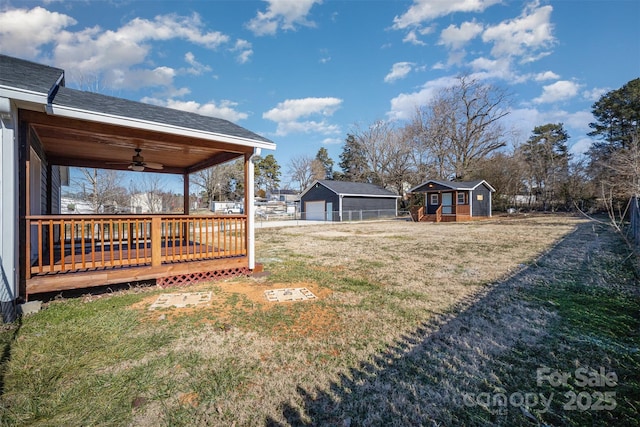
(180, 300)
(289, 294)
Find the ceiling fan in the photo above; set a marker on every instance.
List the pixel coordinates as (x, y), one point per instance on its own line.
(138, 164)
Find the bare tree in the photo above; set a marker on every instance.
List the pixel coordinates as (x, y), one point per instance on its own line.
(220, 182)
(305, 169)
(148, 192)
(383, 149)
(460, 126)
(102, 189)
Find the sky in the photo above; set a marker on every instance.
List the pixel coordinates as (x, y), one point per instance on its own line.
(305, 73)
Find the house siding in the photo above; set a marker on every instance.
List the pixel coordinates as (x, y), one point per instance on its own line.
(367, 203)
(317, 193)
(481, 207)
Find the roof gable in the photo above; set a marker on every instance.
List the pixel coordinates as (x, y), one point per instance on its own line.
(27, 75)
(346, 188)
(435, 185)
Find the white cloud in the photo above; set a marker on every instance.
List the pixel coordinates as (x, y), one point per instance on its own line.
(293, 109)
(403, 106)
(399, 70)
(456, 37)
(288, 114)
(24, 32)
(319, 127)
(524, 120)
(244, 49)
(547, 75)
(426, 10)
(117, 59)
(196, 68)
(282, 14)
(558, 91)
(581, 146)
(485, 68)
(225, 109)
(332, 141)
(412, 37)
(595, 94)
(522, 36)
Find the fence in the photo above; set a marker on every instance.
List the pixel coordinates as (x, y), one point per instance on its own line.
(353, 215)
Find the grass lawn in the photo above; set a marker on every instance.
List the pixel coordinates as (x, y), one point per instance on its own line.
(528, 321)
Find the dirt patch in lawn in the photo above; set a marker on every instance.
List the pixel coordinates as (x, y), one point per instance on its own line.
(234, 303)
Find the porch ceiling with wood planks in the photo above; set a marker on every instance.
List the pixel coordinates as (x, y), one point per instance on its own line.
(81, 143)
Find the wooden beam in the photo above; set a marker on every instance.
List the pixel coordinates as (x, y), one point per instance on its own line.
(215, 160)
(185, 191)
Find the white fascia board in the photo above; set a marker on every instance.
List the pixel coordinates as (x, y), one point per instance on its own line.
(75, 113)
(368, 195)
(16, 94)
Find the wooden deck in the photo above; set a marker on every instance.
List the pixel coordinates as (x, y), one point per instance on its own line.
(455, 213)
(69, 252)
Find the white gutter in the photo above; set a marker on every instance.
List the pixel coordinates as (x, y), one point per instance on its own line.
(23, 95)
(368, 195)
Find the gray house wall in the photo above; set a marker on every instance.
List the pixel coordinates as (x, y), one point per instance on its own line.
(350, 203)
(9, 273)
(481, 207)
(318, 193)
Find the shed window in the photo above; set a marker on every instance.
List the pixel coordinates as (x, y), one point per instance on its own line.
(480, 197)
(461, 198)
(434, 199)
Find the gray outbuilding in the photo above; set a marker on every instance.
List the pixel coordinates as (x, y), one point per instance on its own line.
(328, 200)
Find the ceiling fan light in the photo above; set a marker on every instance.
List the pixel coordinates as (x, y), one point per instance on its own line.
(137, 168)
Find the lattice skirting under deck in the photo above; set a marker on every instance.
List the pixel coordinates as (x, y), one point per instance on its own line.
(189, 279)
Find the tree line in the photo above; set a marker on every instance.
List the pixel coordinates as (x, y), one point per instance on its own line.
(459, 135)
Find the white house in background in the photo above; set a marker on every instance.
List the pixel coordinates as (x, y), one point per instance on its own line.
(69, 205)
(142, 203)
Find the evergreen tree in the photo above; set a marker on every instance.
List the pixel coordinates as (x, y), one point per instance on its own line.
(547, 157)
(352, 161)
(327, 163)
(267, 173)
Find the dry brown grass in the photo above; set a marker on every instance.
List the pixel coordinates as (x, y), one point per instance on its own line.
(409, 316)
(410, 281)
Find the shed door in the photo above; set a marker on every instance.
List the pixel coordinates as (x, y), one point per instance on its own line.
(314, 210)
(447, 202)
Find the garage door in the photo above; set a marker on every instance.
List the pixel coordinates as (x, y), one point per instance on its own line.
(314, 210)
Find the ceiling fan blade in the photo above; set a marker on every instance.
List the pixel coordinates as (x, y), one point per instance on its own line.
(152, 165)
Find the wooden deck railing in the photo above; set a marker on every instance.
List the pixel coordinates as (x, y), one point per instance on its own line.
(439, 214)
(67, 243)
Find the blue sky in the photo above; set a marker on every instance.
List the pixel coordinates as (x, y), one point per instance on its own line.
(304, 73)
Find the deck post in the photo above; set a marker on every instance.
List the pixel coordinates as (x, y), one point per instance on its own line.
(249, 193)
(156, 241)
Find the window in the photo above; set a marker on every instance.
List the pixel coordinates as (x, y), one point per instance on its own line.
(461, 198)
(480, 197)
(434, 199)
